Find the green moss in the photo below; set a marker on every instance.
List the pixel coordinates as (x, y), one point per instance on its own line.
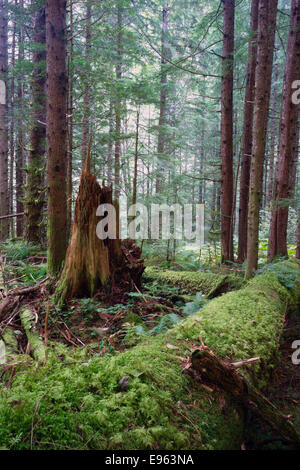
(82, 407)
(193, 282)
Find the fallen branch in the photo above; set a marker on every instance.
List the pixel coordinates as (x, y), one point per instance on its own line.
(11, 215)
(27, 290)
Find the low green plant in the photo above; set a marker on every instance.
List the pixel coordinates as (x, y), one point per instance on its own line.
(87, 308)
(190, 308)
(18, 250)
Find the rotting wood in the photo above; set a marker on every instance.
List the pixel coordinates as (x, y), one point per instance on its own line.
(224, 375)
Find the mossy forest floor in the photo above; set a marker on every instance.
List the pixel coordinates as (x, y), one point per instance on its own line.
(104, 325)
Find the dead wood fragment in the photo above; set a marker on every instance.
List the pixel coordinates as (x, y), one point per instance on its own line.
(27, 290)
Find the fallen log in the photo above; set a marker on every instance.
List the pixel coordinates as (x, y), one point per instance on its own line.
(224, 375)
(210, 284)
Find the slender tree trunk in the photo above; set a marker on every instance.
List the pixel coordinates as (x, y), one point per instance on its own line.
(273, 137)
(201, 182)
(12, 130)
(162, 100)
(227, 131)
(247, 135)
(110, 145)
(20, 147)
(287, 141)
(70, 126)
(86, 98)
(35, 193)
(118, 105)
(4, 224)
(263, 75)
(56, 133)
(136, 156)
(297, 159)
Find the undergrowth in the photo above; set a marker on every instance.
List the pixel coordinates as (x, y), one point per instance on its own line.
(76, 402)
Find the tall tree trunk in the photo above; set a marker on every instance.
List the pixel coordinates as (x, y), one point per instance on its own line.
(267, 14)
(110, 145)
(56, 133)
(4, 224)
(70, 126)
(20, 147)
(12, 130)
(118, 105)
(201, 166)
(163, 99)
(227, 131)
(247, 136)
(287, 141)
(35, 193)
(86, 98)
(273, 137)
(136, 156)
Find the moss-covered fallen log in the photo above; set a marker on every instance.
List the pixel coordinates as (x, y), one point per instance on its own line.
(188, 282)
(82, 406)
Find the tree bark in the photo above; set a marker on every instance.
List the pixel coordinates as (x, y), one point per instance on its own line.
(227, 132)
(267, 14)
(136, 156)
(35, 193)
(247, 135)
(118, 105)
(110, 145)
(287, 142)
(163, 99)
(273, 137)
(56, 133)
(20, 146)
(86, 98)
(70, 126)
(4, 224)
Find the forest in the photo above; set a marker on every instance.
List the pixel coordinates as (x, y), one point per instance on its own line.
(149, 225)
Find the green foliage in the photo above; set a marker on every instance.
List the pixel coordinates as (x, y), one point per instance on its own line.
(196, 305)
(285, 272)
(87, 308)
(31, 273)
(18, 250)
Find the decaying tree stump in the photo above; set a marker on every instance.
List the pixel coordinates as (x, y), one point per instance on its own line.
(92, 263)
(225, 376)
